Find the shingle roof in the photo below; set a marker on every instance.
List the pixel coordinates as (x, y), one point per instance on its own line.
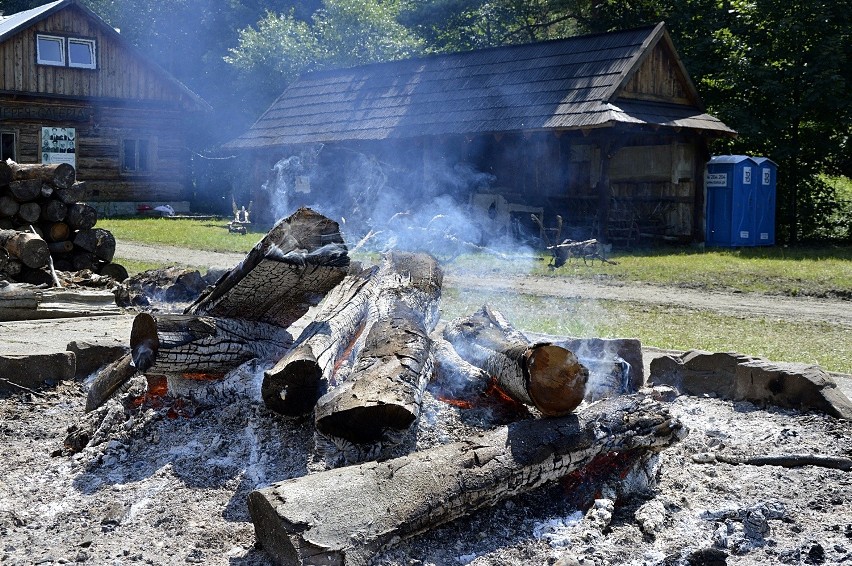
(562, 84)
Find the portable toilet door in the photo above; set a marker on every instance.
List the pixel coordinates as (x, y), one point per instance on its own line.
(731, 197)
(765, 204)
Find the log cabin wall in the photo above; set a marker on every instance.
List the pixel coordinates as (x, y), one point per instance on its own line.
(124, 104)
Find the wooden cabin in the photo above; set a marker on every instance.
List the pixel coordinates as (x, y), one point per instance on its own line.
(73, 90)
(605, 130)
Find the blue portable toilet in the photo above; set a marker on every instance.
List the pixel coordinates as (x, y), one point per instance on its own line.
(731, 185)
(765, 203)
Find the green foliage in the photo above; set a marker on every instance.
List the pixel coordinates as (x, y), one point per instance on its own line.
(342, 33)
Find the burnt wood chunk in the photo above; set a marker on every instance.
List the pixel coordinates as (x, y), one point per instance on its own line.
(347, 515)
(109, 380)
(385, 387)
(543, 375)
(290, 270)
(294, 384)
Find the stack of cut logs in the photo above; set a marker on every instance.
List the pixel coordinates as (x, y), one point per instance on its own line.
(43, 223)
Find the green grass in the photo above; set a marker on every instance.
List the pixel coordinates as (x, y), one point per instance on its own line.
(669, 328)
(210, 235)
(819, 271)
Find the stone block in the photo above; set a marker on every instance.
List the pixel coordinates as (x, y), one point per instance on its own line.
(37, 370)
(95, 354)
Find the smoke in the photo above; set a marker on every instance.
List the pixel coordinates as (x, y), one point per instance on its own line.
(402, 200)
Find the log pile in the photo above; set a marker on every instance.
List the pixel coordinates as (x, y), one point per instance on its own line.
(44, 222)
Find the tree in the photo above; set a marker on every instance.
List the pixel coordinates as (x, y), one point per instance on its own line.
(341, 33)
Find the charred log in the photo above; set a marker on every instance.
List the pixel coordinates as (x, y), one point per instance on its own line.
(194, 347)
(287, 272)
(390, 374)
(29, 212)
(72, 194)
(346, 515)
(294, 384)
(25, 191)
(543, 375)
(54, 210)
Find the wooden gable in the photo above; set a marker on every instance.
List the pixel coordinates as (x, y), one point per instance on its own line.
(121, 73)
(660, 77)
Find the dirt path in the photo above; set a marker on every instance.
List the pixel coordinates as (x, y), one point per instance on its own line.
(740, 304)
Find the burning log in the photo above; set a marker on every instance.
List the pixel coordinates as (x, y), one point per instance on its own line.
(25, 246)
(294, 384)
(543, 375)
(346, 515)
(290, 270)
(390, 374)
(196, 347)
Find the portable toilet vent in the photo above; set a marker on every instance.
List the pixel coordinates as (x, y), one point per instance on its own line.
(740, 207)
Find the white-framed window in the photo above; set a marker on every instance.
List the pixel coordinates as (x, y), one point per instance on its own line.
(81, 53)
(77, 52)
(50, 50)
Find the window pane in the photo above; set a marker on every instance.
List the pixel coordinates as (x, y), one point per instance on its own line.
(50, 50)
(129, 155)
(7, 146)
(142, 155)
(81, 53)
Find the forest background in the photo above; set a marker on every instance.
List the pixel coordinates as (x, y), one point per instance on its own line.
(777, 71)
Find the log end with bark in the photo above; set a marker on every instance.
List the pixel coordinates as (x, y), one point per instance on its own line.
(543, 375)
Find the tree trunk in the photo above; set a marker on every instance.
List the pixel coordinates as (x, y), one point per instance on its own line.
(73, 194)
(194, 347)
(57, 248)
(542, 375)
(390, 374)
(346, 515)
(8, 206)
(58, 231)
(98, 241)
(29, 212)
(25, 246)
(290, 270)
(81, 216)
(59, 175)
(294, 384)
(25, 191)
(54, 210)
